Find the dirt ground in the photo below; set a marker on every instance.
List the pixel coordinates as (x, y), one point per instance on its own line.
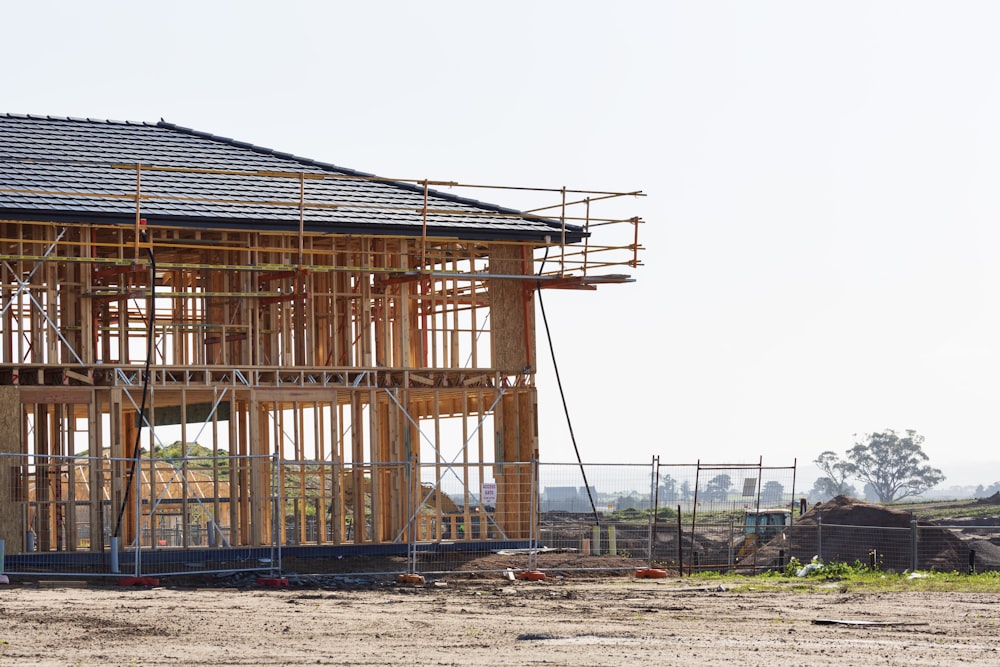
(613, 621)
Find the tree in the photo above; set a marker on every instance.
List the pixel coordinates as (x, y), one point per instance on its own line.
(870, 494)
(668, 489)
(685, 491)
(834, 481)
(822, 490)
(772, 493)
(717, 488)
(893, 465)
(987, 491)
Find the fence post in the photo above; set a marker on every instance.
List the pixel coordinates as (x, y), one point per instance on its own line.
(533, 521)
(276, 511)
(680, 544)
(654, 475)
(732, 542)
(913, 544)
(115, 568)
(138, 509)
(413, 471)
(819, 537)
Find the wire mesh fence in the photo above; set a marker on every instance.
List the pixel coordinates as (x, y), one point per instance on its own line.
(601, 512)
(919, 546)
(69, 516)
(104, 516)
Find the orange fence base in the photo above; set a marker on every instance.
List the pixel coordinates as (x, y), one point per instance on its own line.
(650, 573)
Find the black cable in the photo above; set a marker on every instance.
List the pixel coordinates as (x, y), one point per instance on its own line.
(136, 450)
(562, 394)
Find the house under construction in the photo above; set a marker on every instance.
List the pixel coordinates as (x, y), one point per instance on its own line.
(259, 344)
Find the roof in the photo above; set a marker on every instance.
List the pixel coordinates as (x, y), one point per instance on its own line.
(84, 170)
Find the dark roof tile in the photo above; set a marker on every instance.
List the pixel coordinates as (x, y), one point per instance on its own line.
(67, 155)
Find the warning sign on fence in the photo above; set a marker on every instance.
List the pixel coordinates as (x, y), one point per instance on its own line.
(489, 495)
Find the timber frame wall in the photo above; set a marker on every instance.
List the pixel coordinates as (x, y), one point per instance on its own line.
(346, 354)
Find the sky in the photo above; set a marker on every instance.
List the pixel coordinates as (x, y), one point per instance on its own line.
(820, 221)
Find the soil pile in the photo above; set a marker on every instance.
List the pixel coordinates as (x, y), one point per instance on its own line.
(848, 530)
(989, 500)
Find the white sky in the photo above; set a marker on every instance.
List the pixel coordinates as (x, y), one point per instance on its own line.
(821, 219)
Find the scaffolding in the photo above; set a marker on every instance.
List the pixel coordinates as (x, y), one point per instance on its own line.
(339, 355)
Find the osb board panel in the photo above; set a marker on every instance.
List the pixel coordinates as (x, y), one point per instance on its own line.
(11, 529)
(512, 304)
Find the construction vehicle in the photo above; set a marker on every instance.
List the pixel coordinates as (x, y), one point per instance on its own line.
(759, 528)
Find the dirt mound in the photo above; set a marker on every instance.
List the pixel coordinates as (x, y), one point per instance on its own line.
(848, 530)
(847, 511)
(989, 500)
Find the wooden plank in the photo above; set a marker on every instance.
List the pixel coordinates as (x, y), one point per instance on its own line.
(79, 377)
(55, 394)
(294, 394)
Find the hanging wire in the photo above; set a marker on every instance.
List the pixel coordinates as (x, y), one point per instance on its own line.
(136, 450)
(562, 394)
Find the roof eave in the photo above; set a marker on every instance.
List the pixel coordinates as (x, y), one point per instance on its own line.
(572, 235)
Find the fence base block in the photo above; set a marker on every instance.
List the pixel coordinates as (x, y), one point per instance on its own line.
(274, 582)
(138, 581)
(650, 573)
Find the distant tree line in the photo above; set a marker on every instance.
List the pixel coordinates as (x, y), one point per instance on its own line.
(987, 491)
(717, 489)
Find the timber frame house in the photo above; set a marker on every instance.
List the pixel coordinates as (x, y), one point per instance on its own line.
(335, 344)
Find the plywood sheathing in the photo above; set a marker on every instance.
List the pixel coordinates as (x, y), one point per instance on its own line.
(12, 527)
(511, 310)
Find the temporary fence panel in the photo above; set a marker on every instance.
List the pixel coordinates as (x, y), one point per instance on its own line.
(974, 548)
(188, 512)
(601, 513)
(60, 519)
(72, 520)
(919, 546)
(468, 512)
(717, 516)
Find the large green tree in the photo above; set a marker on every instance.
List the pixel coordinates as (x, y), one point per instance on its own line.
(895, 466)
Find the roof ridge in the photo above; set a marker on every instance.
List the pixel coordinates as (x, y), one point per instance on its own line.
(73, 119)
(327, 166)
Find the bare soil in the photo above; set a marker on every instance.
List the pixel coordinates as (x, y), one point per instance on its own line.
(491, 621)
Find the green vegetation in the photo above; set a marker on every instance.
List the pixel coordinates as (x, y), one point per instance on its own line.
(198, 458)
(838, 577)
(941, 511)
(630, 515)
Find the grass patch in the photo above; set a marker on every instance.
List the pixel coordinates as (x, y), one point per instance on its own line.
(835, 577)
(943, 510)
